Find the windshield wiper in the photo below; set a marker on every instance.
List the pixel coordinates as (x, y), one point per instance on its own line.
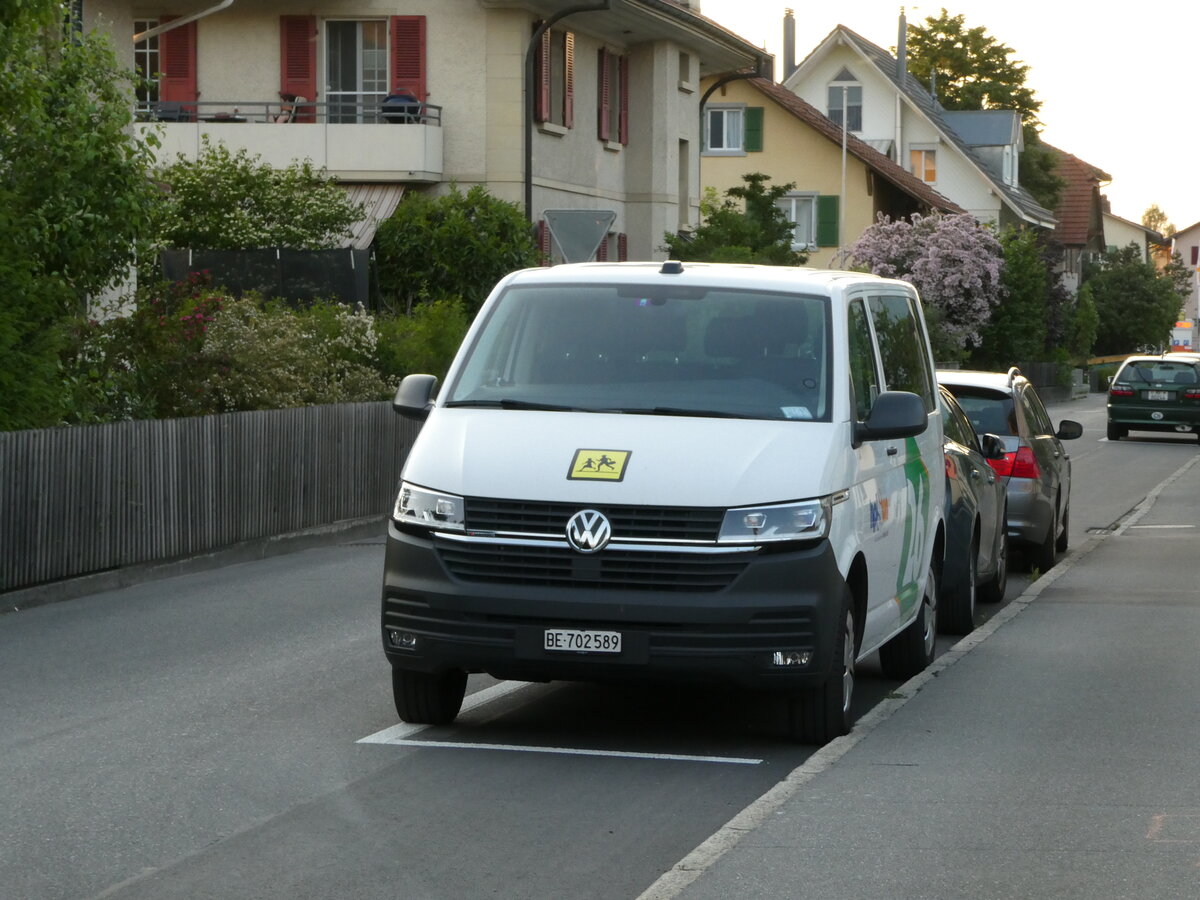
(509, 403)
(685, 411)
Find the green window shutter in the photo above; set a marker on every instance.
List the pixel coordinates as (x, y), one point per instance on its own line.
(754, 129)
(827, 220)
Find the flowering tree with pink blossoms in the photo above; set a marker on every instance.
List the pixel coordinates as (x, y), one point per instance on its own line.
(952, 260)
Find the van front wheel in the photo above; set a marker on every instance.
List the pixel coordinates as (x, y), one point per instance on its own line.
(912, 650)
(820, 714)
(424, 699)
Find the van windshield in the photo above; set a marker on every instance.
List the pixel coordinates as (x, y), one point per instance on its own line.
(678, 351)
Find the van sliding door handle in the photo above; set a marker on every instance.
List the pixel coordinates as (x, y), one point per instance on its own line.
(892, 451)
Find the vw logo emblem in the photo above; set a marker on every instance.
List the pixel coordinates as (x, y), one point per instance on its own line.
(588, 531)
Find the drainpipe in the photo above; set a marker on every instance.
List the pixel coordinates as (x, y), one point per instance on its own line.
(528, 99)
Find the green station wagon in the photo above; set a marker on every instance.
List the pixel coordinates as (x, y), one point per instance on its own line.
(1155, 393)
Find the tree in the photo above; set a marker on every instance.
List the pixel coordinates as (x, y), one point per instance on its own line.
(1017, 330)
(953, 261)
(975, 71)
(747, 226)
(1156, 220)
(74, 196)
(1137, 307)
(233, 201)
(454, 246)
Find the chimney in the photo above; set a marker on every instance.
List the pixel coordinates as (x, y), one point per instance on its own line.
(789, 44)
(902, 49)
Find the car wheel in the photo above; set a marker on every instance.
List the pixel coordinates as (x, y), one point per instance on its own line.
(912, 649)
(1116, 432)
(1064, 540)
(956, 612)
(992, 591)
(820, 714)
(425, 699)
(1043, 557)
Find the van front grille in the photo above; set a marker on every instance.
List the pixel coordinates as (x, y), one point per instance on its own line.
(670, 523)
(611, 569)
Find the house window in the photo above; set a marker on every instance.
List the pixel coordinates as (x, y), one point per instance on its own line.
(845, 93)
(801, 210)
(612, 114)
(146, 62)
(924, 165)
(356, 68)
(733, 130)
(555, 66)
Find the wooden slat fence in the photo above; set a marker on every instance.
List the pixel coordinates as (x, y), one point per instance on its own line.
(86, 499)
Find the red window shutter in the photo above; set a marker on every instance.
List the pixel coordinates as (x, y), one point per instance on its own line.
(623, 112)
(569, 93)
(408, 55)
(622, 247)
(298, 61)
(602, 250)
(178, 59)
(1195, 255)
(541, 71)
(602, 113)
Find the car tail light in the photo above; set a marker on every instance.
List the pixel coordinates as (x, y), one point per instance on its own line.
(1191, 394)
(1022, 464)
(1120, 392)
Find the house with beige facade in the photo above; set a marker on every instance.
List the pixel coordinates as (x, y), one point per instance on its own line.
(754, 125)
(971, 158)
(546, 104)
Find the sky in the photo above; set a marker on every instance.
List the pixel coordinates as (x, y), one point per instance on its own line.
(1114, 82)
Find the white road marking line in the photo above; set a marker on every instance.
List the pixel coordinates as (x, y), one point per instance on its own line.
(573, 751)
(397, 733)
(1133, 527)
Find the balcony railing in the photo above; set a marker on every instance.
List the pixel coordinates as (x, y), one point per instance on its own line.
(339, 135)
(385, 110)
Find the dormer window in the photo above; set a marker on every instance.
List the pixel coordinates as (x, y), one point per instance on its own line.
(845, 92)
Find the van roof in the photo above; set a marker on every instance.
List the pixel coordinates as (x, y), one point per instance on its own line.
(733, 275)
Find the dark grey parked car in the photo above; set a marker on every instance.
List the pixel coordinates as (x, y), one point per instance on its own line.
(1035, 463)
(976, 530)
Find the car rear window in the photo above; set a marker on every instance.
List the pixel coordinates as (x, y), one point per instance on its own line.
(990, 412)
(1154, 371)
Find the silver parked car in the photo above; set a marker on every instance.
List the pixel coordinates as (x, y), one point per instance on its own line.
(1035, 462)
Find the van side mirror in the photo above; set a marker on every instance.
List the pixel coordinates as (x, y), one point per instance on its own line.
(992, 446)
(414, 397)
(895, 414)
(1069, 430)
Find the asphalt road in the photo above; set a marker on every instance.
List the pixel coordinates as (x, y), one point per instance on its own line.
(203, 736)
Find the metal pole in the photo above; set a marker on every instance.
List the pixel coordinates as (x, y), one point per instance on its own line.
(842, 196)
(528, 99)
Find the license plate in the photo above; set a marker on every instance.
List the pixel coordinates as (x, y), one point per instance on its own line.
(571, 640)
(1158, 395)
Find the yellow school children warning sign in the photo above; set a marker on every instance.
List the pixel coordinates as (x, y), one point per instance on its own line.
(599, 465)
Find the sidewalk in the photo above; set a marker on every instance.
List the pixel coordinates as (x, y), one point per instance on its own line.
(1059, 757)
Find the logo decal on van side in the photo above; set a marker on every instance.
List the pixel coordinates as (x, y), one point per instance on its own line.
(913, 553)
(599, 465)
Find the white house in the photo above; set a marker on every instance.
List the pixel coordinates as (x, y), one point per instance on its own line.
(971, 158)
(612, 120)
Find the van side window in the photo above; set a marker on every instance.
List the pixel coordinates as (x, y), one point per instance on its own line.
(864, 378)
(901, 346)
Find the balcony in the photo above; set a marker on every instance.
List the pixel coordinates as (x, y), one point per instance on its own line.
(397, 140)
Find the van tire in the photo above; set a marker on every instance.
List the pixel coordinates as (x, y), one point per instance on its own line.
(425, 699)
(913, 649)
(820, 714)
(956, 612)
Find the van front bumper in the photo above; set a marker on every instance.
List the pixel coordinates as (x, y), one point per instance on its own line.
(781, 600)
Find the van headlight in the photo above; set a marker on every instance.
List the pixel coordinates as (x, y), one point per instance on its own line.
(807, 520)
(430, 509)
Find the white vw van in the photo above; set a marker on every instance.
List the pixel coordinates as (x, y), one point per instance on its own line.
(672, 471)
